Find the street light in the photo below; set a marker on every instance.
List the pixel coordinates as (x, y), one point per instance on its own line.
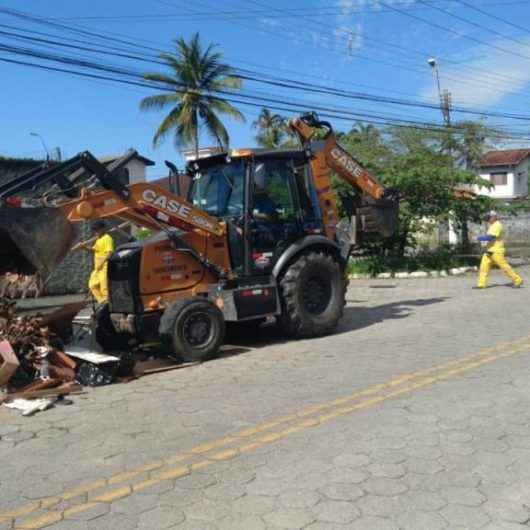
(445, 96)
(43, 144)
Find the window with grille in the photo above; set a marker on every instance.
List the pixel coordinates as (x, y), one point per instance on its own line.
(499, 179)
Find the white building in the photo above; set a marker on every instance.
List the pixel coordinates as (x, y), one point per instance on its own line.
(135, 166)
(508, 171)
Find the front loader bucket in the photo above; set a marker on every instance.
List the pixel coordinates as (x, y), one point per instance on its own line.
(33, 240)
(379, 215)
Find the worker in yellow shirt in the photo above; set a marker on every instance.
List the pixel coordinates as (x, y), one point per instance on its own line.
(494, 254)
(103, 247)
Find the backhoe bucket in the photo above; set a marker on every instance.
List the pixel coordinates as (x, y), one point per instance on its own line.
(380, 215)
(33, 240)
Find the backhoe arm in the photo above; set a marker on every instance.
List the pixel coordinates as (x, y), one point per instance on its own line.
(337, 158)
(377, 208)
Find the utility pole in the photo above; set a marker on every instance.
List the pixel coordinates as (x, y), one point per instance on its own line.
(445, 106)
(443, 95)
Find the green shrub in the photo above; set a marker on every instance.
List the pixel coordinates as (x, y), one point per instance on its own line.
(444, 258)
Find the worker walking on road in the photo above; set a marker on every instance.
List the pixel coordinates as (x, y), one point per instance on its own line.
(494, 254)
(103, 247)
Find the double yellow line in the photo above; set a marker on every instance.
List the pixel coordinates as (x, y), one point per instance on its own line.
(246, 440)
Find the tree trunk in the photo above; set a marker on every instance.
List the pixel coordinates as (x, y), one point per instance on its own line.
(465, 235)
(196, 134)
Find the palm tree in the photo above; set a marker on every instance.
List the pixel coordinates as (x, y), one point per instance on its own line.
(193, 97)
(271, 129)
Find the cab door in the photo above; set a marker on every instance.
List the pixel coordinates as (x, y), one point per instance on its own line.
(275, 216)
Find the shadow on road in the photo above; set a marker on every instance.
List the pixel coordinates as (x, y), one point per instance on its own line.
(355, 318)
(362, 317)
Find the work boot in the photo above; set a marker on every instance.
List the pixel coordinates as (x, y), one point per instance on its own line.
(478, 287)
(517, 285)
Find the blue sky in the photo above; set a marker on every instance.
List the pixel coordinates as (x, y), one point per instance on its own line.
(371, 46)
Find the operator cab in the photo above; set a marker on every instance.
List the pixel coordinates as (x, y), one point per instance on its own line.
(267, 199)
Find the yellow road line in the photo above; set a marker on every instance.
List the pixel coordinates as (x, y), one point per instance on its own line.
(462, 364)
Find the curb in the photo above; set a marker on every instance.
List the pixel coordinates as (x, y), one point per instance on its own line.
(458, 271)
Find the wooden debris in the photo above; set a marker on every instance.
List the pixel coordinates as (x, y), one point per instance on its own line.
(61, 390)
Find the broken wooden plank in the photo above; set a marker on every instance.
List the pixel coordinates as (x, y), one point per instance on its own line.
(66, 388)
(38, 384)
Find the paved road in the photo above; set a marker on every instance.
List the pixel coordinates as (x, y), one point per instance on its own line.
(415, 415)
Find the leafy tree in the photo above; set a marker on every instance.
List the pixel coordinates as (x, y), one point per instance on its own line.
(367, 145)
(271, 129)
(193, 99)
(413, 161)
(274, 132)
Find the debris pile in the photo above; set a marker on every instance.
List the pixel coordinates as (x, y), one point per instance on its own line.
(32, 360)
(45, 357)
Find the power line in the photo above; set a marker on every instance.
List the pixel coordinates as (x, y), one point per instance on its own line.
(130, 43)
(251, 14)
(451, 30)
(491, 15)
(393, 46)
(278, 82)
(276, 104)
(491, 76)
(290, 84)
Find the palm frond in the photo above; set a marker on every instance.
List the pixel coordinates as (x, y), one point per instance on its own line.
(169, 123)
(224, 107)
(214, 126)
(159, 101)
(196, 75)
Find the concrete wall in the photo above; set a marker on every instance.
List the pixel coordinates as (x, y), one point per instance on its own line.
(516, 233)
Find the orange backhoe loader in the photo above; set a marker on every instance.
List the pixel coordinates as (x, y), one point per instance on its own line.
(257, 236)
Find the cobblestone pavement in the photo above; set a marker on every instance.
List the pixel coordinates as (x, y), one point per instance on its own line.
(415, 415)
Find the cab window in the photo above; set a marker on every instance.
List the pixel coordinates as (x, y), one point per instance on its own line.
(219, 189)
(272, 196)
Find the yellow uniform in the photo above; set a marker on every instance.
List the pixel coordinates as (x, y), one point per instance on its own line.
(98, 283)
(494, 255)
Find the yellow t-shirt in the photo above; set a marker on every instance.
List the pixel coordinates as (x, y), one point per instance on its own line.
(103, 246)
(497, 230)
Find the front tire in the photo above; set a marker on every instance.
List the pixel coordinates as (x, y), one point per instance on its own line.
(192, 329)
(313, 291)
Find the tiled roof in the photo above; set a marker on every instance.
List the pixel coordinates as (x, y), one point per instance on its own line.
(507, 157)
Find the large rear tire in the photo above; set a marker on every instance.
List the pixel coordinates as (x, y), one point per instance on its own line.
(192, 329)
(313, 295)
